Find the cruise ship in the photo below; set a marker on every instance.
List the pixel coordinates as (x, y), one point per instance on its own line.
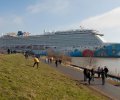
(75, 43)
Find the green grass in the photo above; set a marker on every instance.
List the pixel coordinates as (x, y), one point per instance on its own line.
(20, 81)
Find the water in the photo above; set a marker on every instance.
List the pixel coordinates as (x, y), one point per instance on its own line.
(113, 64)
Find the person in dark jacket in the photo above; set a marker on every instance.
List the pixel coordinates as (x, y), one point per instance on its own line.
(106, 71)
(89, 76)
(60, 61)
(85, 74)
(8, 51)
(98, 71)
(103, 76)
(92, 74)
(56, 63)
(26, 55)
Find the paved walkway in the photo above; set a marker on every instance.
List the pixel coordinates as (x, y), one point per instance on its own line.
(108, 90)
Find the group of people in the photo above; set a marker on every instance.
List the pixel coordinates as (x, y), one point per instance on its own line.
(99, 70)
(58, 61)
(9, 51)
(90, 73)
(51, 59)
(47, 60)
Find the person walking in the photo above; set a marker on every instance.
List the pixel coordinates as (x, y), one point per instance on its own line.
(8, 51)
(103, 76)
(56, 63)
(26, 55)
(98, 71)
(60, 61)
(46, 60)
(92, 74)
(36, 61)
(85, 74)
(89, 76)
(106, 71)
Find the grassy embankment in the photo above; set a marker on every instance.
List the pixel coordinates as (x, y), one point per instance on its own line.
(20, 81)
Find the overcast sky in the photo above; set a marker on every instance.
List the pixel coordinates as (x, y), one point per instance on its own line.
(35, 16)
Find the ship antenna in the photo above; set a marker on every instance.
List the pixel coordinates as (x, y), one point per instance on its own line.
(44, 31)
(81, 28)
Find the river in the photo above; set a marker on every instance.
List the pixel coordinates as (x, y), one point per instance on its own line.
(113, 64)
